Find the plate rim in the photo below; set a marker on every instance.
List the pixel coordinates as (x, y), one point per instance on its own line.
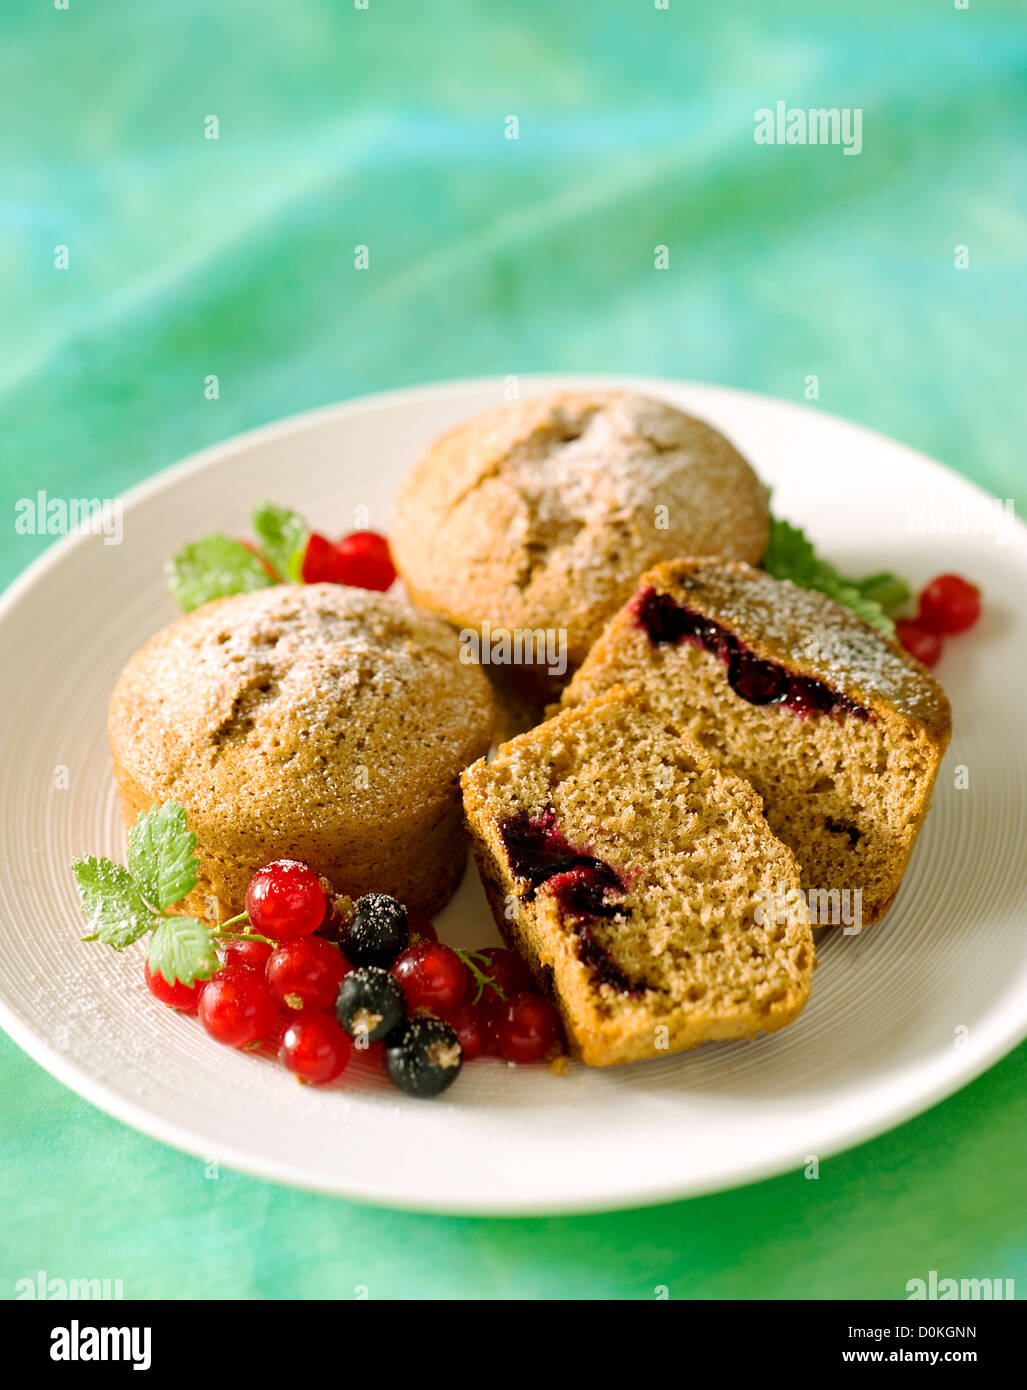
(1006, 1032)
(182, 1139)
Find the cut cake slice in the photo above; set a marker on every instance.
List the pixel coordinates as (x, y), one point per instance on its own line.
(640, 882)
(839, 730)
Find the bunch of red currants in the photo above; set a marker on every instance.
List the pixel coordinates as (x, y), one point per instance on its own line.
(317, 985)
(949, 604)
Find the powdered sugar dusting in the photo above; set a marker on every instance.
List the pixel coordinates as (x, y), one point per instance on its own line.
(604, 459)
(320, 679)
(545, 512)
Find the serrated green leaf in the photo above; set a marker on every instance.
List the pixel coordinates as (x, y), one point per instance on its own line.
(283, 536)
(182, 948)
(790, 555)
(866, 608)
(112, 902)
(161, 855)
(214, 567)
(891, 592)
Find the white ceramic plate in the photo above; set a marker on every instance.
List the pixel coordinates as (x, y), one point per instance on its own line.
(899, 1017)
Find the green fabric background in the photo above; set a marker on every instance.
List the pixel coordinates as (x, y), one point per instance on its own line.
(384, 127)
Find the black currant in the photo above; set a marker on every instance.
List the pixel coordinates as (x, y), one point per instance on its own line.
(423, 1056)
(370, 1003)
(377, 931)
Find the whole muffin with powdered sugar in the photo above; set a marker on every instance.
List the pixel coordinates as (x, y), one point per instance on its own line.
(542, 514)
(309, 722)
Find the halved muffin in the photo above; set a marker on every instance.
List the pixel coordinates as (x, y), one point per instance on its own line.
(839, 730)
(640, 882)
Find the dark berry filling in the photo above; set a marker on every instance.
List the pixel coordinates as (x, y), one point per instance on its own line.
(536, 849)
(539, 852)
(665, 622)
(759, 682)
(581, 891)
(598, 960)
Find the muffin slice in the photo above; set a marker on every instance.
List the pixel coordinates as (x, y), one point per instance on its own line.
(640, 882)
(838, 729)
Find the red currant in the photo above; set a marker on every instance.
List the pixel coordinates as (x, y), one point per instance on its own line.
(315, 1048)
(526, 1028)
(285, 899)
(918, 641)
(284, 1020)
(176, 995)
(306, 973)
(236, 1007)
(433, 977)
(471, 1025)
(363, 560)
(250, 954)
(420, 926)
(506, 971)
(319, 561)
(949, 604)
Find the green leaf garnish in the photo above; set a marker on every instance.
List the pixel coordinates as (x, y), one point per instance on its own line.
(283, 536)
(181, 948)
(790, 555)
(111, 900)
(123, 904)
(891, 592)
(214, 567)
(162, 855)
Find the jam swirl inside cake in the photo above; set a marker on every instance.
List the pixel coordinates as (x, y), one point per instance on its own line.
(665, 622)
(582, 885)
(539, 852)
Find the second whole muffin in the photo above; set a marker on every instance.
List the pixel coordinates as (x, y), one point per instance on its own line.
(311, 722)
(539, 516)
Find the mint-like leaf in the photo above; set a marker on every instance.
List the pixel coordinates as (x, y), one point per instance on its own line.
(162, 855)
(891, 592)
(112, 902)
(283, 536)
(850, 596)
(790, 555)
(181, 948)
(214, 567)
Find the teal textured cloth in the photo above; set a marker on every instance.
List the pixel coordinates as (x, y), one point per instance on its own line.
(141, 256)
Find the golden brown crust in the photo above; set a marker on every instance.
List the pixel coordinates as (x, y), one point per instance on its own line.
(696, 860)
(540, 515)
(311, 722)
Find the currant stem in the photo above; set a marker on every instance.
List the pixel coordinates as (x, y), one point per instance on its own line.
(223, 934)
(243, 936)
(468, 958)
